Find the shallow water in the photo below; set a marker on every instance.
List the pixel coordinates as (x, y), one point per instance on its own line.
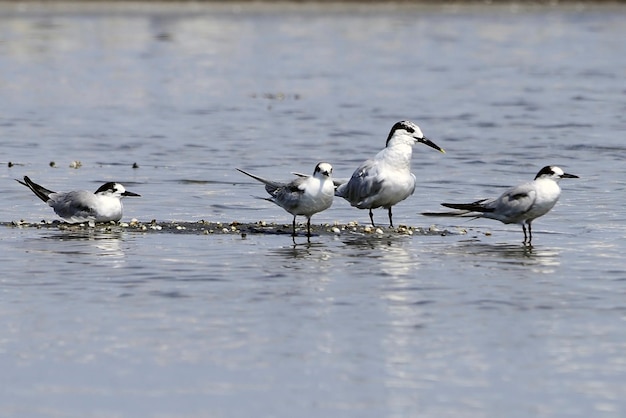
(467, 323)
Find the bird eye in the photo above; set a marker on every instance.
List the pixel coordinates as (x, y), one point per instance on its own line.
(406, 126)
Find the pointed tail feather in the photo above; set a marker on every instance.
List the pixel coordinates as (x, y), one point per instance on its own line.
(450, 214)
(269, 199)
(477, 206)
(270, 185)
(40, 191)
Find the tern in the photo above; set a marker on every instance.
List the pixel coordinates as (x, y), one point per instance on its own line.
(387, 179)
(521, 204)
(303, 196)
(81, 206)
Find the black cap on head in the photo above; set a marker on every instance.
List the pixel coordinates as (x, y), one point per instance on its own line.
(403, 124)
(110, 186)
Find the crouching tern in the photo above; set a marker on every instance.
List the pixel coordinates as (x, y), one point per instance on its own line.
(303, 196)
(386, 179)
(81, 206)
(521, 204)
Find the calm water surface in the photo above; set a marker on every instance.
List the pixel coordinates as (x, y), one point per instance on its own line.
(122, 324)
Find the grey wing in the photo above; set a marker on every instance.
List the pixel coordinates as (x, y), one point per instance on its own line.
(74, 206)
(288, 196)
(273, 187)
(270, 185)
(515, 202)
(364, 183)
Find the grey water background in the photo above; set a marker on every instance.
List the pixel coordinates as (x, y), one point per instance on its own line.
(121, 324)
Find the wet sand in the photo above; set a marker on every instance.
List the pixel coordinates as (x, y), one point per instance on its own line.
(209, 228)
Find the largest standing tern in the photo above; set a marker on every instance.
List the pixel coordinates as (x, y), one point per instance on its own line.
(386, 179)
(304, 196)
(521, 204)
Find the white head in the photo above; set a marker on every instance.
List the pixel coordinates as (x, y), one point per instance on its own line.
(114, 190)
(554, 173)
(323, 170)
(408, 133)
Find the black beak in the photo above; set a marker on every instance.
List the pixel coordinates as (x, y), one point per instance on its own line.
(569, 176)
(127, 193)
(430, 143)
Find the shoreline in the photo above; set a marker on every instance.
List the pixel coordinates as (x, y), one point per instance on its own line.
(235, 228)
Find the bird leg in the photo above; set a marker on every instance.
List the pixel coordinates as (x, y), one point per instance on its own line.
(308, 227)
(530, 233)
(293, 234)
(525, 236)
(372, 218)
(390, 222)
